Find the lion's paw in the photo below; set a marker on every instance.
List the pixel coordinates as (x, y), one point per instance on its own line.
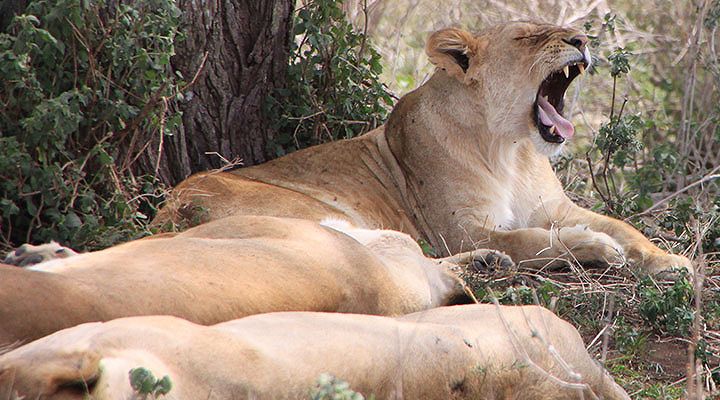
(588, 246)
(27, 254)
(485, 259)
(668, 266)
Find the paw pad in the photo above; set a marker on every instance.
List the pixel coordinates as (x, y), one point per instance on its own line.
(492, 260)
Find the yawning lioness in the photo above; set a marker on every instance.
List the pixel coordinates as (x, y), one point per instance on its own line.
(462, 161)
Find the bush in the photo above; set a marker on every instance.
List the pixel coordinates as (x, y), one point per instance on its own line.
(334, 89)
(667, 310)
(636, 160)
(84, 84)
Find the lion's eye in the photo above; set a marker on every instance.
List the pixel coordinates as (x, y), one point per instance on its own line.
(526, 37)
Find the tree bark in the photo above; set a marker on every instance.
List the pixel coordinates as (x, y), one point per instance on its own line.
(245, 47)
(8, 10)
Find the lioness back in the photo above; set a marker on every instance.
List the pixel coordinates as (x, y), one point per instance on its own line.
(346, 180)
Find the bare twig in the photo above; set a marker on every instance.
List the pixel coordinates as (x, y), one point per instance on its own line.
(161, 140)
(365, 31)
(197, 73)
(694, 382)
(608, 328)
(708, 177)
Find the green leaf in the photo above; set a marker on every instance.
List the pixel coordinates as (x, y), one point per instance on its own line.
(163, 386)
(30, 208)
(8, 207)
(32, 19)
(72, 220)
(644, 202)
(142, 380)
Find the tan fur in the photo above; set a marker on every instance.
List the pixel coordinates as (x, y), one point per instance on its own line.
(459, 163)
(228, 269)
(462, 352)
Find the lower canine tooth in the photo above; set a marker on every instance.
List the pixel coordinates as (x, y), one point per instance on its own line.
(566, 70)
(581, 68)
(552, 129)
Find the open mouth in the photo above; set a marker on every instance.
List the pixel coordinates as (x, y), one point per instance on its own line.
(550, 101)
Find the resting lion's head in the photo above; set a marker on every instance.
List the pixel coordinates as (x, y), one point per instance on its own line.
(520, 72)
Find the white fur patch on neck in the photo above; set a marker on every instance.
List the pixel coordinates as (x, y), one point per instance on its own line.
(60, 265)
(372, 238)
(340, 225)
(364, 236)
(52, 266)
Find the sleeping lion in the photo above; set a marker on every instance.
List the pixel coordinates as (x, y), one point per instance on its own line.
(462, 161)
(231, 268)
(478, 351)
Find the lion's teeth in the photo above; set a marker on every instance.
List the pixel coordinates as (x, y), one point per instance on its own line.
(581, 68)
(552, 129)
(566, 70)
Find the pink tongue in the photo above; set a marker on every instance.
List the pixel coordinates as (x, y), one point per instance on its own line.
(550, 117)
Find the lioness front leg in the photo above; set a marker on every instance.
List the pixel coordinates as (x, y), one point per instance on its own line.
(638, 249)
(553, 248)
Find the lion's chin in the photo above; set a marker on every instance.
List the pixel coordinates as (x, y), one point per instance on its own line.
(546, 148)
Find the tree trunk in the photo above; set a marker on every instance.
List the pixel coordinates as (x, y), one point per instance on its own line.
(241, 50)
(8, 10)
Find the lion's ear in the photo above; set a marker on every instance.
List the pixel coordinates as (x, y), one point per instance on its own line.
(452, 49)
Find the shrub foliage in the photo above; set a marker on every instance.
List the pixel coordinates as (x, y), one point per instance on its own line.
(334, 89)
(83, 82)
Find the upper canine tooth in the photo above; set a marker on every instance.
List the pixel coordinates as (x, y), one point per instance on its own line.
(581, 68)
(552, 129)
(566, 70)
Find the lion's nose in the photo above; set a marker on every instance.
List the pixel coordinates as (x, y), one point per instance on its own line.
(578, 41)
